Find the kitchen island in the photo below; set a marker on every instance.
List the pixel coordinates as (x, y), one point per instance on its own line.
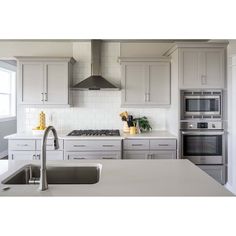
(125, 178)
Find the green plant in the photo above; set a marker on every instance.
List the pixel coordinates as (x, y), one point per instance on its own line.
(143, 123)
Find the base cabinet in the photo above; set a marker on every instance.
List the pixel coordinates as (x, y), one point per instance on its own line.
(149, 149)
(217, 172)
(22, 155)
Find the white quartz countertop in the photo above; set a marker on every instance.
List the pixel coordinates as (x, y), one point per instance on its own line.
(127, 178)
(162, 134)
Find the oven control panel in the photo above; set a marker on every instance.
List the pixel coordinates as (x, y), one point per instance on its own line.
(187, 125)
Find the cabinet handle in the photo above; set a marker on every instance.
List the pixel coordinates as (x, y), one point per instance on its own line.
(108, 158)
(148, 97)
(79, 145)
(38, 157)
(34, 157)
(78, 158)
(107, 145)
(203, 79)
(12, 156)
(46, 97)
(137, 145)
(22, 145)
(163, 145)
(42, 97)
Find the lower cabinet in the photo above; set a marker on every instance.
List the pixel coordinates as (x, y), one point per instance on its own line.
(92, 155)
(149, 149)
(217, 172)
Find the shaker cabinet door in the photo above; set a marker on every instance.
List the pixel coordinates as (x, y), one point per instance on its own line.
(31, 83)
(159, 83)
(134, 84)
(56, 83)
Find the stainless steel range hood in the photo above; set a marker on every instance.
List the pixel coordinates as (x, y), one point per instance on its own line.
(95, 81)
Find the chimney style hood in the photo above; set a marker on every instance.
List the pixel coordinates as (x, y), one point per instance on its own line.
(95, 81)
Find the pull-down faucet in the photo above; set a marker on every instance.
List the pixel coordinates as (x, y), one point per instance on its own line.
(43, 184)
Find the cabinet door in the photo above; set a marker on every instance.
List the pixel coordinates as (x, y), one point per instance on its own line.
(163, 154)
(159, 83)
(213, 71)
(134, 90)
(136, 155)
(51, 155)
(56, 83)
(22, 155)
(188, 68)
(31, 83)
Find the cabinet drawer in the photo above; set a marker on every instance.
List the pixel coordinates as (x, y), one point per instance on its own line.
(92, 155)
(49, 145)
(22, 155)
(163, 144)
(22, 144)
(78, 145)
(136, 144)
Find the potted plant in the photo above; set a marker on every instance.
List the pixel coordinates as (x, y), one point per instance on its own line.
(143, 124)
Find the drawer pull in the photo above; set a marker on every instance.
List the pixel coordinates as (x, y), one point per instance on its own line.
(163, 145)
(22, 145)
(78, 158)
(108, 145)
(79, 145)
(137, 145)
(108, 158)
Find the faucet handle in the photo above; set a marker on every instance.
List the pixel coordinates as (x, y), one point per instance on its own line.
(56, 143)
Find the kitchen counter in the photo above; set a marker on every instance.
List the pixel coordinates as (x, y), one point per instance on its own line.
(127, 178)
(156, 134)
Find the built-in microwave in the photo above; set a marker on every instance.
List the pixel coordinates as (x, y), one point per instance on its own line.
(203, 104)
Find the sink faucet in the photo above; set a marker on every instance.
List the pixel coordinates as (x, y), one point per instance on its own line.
(43, 184)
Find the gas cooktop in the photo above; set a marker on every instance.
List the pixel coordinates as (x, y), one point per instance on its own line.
(90, 132)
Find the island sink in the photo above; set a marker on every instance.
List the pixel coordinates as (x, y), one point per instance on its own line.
(30, 174)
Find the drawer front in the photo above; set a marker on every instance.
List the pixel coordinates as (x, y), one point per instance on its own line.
(92, 155)
(49, 145)
(78, 145)
(163, 144)
(22, 144)
(136, 144)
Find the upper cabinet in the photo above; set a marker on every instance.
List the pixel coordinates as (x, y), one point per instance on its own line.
(200, 65)
(145, 82)
(202, 68)
(44, 80)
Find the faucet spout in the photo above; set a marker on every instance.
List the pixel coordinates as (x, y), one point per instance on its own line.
(43, 185)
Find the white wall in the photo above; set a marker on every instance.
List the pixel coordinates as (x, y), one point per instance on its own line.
(92, 109)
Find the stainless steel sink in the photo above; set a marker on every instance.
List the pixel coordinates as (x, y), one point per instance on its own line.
(56, 175)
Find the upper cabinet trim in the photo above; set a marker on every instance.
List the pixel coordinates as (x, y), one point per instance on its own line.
(143, 59)
(46, 59)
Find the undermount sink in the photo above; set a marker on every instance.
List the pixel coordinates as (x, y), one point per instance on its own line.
(30, 174)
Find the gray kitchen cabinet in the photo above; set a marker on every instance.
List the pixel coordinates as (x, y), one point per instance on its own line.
(44, 80)
(145, 83)
(201, 68)
(149, 149)
(29, 149)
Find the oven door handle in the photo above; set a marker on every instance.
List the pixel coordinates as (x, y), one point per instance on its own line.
(203, 132)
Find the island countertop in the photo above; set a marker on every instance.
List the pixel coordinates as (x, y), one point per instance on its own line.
(127, 178)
